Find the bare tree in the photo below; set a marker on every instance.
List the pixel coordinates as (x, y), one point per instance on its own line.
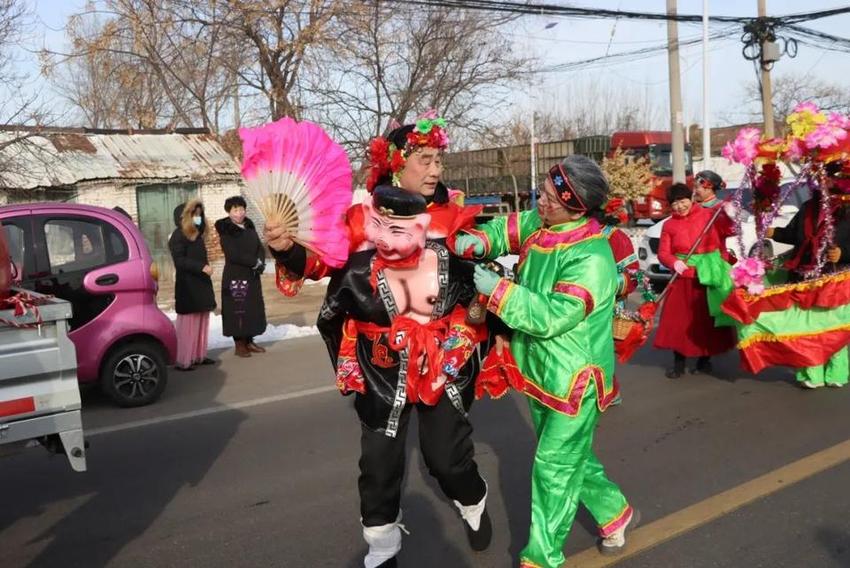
(21, 115)
(109, 87)
(790, 89)
(577, 109)
(143, 63)
(188, 59)
(397, 61)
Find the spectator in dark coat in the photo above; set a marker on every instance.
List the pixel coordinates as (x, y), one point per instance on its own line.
(194, 297)
(243, 311)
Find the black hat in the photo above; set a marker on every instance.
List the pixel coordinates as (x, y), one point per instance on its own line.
(398, 136)
(711, 177)
(391, 201)
(679, 191)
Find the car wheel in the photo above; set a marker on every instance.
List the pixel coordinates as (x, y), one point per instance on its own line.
(135, 374)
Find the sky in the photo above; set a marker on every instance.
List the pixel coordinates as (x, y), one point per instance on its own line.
(578, 39)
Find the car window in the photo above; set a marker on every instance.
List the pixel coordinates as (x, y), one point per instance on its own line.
(17, 251)
(75, 245)
(15, 241)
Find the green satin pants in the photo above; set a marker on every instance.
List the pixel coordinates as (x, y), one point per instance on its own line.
(834, 372)
(567, 472)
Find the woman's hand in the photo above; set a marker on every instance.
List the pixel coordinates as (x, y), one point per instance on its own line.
(207, 269)
(485, 280)
(464, 242)
(680, 267)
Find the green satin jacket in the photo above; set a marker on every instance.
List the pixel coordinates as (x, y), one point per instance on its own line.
(561, 306)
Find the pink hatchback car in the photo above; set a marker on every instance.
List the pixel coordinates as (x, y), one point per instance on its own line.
(97, 259)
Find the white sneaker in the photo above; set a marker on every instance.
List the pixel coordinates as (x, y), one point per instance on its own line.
(835, 385)
(810, 385)
(615, 542)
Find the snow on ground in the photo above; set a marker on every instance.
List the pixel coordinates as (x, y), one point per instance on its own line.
(273, 332)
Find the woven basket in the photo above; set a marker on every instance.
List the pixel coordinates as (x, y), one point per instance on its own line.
(622, 327)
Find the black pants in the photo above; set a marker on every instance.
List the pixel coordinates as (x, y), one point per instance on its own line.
(679, 362)
(445, 438)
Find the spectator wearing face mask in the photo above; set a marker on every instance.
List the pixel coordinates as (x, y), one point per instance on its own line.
(243, 311)
(194, 297)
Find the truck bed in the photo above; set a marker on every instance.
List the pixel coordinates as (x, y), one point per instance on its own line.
(39, 394)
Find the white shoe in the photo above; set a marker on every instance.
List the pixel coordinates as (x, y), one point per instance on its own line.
(810, 385)
(835, 385)
(384, 542)
(615, 542)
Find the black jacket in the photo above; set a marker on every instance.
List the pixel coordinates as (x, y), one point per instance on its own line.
(350, 294)
(193, 290)
(243, 311)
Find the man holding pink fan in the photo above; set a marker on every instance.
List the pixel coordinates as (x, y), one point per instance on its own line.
(361, 340)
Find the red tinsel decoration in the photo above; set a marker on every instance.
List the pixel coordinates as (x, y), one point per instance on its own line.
(766, 188)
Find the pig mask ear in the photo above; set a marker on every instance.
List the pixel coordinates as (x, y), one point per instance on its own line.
(423, 221)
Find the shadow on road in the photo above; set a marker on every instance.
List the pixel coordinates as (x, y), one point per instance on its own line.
(504, 426)
(133, 476)
(837, 543)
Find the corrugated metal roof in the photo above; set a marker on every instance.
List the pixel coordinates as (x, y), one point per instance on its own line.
(63, 158)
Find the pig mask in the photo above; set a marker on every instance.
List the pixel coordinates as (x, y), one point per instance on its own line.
(396, 223)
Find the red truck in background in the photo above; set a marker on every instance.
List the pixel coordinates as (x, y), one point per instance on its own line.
(657, 147)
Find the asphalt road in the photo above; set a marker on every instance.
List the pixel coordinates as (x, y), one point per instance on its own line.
(253, 463)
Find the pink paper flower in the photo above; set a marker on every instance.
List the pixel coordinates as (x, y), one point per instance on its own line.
(749, 273)
(807, 106)
(825, 136)
(744, 148)
(838, 120)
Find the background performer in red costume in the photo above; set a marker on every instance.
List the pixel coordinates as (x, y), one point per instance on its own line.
(686, 326)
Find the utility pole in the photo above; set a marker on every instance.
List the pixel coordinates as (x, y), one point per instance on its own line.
(533, 176)
(706, 128)
(676, 126)
(766, 88)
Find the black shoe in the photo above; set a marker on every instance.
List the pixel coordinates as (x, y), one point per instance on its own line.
(183, 369)
(206, 361)
(391, 563)
(704, 367)
(479, 540)
(673, 373)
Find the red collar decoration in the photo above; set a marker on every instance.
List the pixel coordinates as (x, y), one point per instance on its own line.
(565, 191)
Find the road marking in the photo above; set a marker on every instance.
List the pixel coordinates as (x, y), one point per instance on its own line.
(224, 407)
(698, 514)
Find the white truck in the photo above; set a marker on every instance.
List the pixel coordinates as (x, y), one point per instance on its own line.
(39, 394)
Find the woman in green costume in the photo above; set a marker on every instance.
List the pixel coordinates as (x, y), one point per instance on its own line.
(560, 308)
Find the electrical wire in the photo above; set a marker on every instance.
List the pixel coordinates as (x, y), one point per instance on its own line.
(629, 56)
(536, 9)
